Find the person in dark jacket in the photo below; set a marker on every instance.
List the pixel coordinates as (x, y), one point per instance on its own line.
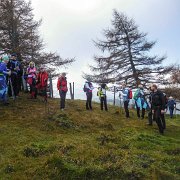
(15, 68)
(62, 87)
(171, 106)
(158, 108)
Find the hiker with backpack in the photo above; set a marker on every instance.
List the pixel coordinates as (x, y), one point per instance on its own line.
(126, 96)
(63, 89)
(88, 89)
(171, 106)
(102, 96)
(140, 101)
(3, 79)
(31, 80)
(15, 67)
(158, 108)
(42, 82)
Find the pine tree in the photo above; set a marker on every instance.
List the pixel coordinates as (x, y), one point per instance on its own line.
(19, 33)
(126, 55)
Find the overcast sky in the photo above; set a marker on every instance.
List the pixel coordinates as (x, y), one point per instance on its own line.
(69, 26)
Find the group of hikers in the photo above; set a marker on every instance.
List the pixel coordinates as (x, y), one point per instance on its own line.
(157, 103)
(13, 77)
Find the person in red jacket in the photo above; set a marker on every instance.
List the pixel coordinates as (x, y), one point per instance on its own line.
(42, 82)
(62, 87)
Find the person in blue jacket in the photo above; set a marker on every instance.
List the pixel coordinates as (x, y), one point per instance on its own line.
(3, 82)
(140, 101)
(171, 105)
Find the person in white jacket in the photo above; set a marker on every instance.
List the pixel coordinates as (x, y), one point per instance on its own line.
(88, 88)
(126, 99)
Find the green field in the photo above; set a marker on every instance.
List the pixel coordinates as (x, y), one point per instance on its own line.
(41, 142)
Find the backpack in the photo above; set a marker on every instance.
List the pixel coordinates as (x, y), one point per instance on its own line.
(130, 94)
(136, 95)
(86, 89)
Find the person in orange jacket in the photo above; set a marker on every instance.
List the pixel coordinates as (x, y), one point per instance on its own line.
(62, 87)
(42, 82)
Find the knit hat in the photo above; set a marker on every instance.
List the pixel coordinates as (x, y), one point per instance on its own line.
(5, 58)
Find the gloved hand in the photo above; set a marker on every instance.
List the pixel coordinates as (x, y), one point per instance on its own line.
(9, 73)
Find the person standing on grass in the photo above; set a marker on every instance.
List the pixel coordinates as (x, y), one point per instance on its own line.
(31, 80)
(15, 68)
(3, 79)
(42, 82)
(88, 89)
(102, 96)
(126, 95)
(140, 101)
(158, 108)
(171, 106)
(63, 89)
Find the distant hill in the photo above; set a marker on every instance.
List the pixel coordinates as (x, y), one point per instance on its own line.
(38, 141)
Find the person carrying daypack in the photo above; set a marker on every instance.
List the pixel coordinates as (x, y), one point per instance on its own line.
(140, 101)
(171, 106)
(42, 82)
(126, 95)
(88, 88)
(3, 79)
(63, 89)
(158, 108)
(31, 80)
(15, 68)
(102, 96)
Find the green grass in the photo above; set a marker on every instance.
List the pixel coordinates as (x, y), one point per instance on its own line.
(39, 142)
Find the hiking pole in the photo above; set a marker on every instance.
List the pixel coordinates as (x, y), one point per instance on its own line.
(12, 90)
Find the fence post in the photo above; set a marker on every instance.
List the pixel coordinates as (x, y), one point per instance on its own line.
(73, 90)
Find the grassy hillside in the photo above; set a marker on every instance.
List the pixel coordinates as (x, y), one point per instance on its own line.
(37, 142)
